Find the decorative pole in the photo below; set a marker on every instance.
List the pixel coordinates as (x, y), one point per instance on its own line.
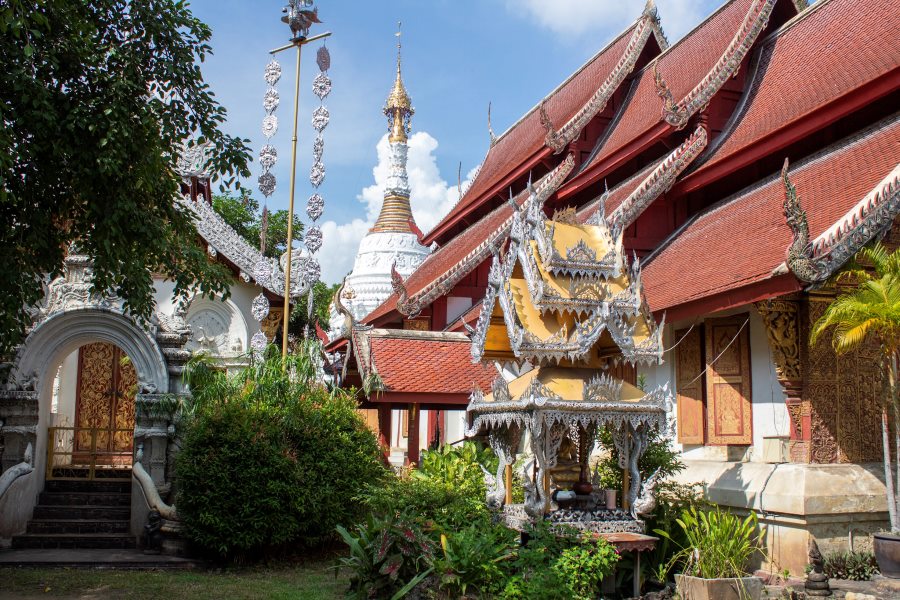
(299, 18)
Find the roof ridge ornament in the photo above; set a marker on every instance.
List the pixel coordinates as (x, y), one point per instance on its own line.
(799, 253)
(490, 127)
(728, 65)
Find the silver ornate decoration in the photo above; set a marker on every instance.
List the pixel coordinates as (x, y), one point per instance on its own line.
(320, 118)
(270, 126)
(318, 149)
(322, 85)
(317, 174)
(268, 155)
(266, 183)
(272, 72)
(258, 343)
(311, 270)
(259, 308)
(315, 206)
(323, 58)
(313, 239)
(271, 100)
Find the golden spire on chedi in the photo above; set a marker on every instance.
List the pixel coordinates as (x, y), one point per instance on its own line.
(396, 214)
(398, 107)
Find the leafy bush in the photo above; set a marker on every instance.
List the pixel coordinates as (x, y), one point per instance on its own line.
(270, 458)
(388, 558)
(446, 492)
(584, 566)
(718, 544)
(659, 455)
(475, 558)
(672, 500)
(855, 565)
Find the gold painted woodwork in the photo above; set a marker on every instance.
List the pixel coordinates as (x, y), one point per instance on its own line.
(728, 393)
(105, 397)
(689, 365)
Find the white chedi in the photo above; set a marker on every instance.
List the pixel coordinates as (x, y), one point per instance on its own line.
(369, 284)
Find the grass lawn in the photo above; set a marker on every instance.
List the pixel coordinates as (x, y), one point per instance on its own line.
(311, 581)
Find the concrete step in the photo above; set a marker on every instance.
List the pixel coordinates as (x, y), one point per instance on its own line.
(70, 541)
(78, 526)
(86, 485)
(85, 498)
(49, 511)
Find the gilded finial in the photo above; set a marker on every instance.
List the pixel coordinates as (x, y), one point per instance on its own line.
(398, 108)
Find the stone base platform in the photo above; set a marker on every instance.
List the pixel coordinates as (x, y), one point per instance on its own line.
(838, 504)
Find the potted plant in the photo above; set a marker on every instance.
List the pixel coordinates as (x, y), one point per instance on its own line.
(714, 560)
(864, 313)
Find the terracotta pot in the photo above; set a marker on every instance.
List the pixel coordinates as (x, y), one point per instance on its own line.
(887, 554)
(611, 499)
(583, 488)
(732, 588)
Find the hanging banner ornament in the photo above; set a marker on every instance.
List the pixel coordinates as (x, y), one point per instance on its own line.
(268, 155)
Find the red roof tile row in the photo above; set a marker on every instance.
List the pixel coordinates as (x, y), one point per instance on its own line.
(439, 364)
(816, 59)
(682, 67)
(744, 238)
(526, 137)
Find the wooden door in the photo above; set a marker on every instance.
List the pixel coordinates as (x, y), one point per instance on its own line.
(728, 393)
(104, 399)
(689, 385)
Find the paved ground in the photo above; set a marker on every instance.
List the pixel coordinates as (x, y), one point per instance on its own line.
(96, 559)
(880, 588)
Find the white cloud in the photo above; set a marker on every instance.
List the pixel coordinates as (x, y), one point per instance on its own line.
(580, 17)
(430, 194)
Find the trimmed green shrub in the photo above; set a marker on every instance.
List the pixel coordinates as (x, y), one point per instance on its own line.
(270, 458)
(854, 565)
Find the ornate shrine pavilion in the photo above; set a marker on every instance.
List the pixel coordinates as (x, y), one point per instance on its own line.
(693, 151)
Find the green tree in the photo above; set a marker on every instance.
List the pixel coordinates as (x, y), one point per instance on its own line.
(322, 295)
(96, 98)
(871, 311)
(243, 214)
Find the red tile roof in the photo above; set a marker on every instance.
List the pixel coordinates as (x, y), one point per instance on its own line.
(449, 256)
(426, 362)
(526, 136)
(741, 240)
(682, 67)
(619, 193)
(831, 49)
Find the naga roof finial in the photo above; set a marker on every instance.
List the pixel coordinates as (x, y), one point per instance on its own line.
(490, 127)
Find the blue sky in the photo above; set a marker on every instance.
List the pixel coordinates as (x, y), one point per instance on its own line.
(457, 57)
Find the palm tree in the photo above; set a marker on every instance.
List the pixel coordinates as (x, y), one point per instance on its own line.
(871, 311)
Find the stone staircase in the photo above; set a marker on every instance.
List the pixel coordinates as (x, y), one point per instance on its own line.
(81, 514)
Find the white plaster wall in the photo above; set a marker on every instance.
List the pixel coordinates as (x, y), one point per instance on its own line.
(68, 381)
(242, 295)
(770, 417)
(454, 425)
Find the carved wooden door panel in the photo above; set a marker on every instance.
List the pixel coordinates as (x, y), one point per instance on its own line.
(689, 383)
(729, 416)
(104, 399)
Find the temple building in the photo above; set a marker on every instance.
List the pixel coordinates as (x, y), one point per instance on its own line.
(394, 240)
(83, 398)
(744, 165)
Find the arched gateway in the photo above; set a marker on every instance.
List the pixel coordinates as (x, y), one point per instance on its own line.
(131, 365)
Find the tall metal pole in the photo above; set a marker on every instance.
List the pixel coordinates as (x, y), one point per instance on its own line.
(297, 43)
(290, 227)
